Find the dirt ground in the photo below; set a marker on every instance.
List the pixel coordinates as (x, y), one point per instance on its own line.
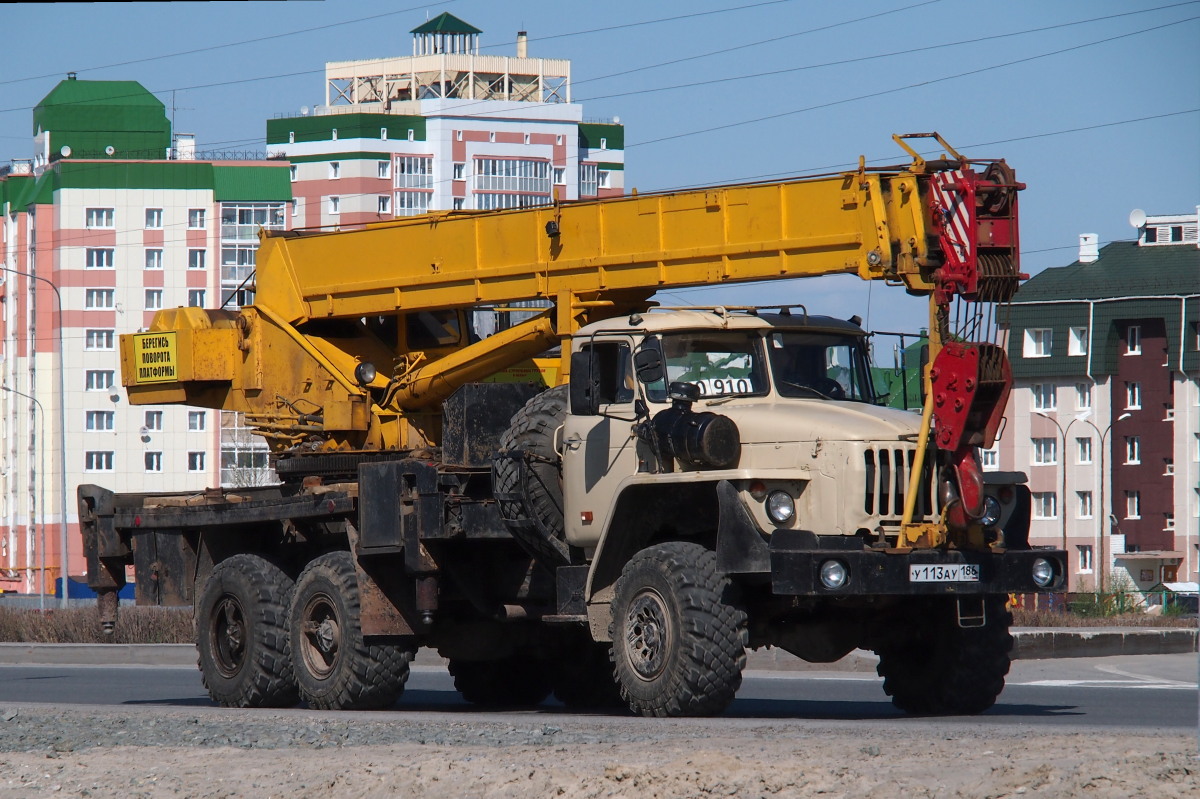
(746, 761)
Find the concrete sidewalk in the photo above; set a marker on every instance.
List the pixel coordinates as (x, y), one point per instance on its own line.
(1031, 644)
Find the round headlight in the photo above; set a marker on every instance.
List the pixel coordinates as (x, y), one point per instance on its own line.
(365, 373)
(781, 507)
(834, 574)
(1043, 572)
(991, 511)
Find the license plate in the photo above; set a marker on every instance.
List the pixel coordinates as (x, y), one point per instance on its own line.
(954, 573)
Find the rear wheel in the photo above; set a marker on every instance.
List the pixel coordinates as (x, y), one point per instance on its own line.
(335, 668)
(241, 634)
(936, 667)
(679, 642)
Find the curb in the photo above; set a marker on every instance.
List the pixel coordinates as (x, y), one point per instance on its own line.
(1030, 644)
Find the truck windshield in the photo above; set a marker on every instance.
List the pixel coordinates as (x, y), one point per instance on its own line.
(823, 365)
(722, 364)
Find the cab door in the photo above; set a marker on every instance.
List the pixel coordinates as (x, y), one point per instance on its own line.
(599, 450)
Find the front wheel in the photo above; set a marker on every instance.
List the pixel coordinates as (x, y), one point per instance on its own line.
(335, 668)
(679, 642)
(932, 666)
(241, 634)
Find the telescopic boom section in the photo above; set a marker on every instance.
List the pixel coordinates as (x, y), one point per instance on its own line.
(329, 303)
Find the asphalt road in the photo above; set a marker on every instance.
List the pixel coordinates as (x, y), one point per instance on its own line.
(1151, 692)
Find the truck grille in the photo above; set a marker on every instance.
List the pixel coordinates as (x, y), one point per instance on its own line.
(887, 473)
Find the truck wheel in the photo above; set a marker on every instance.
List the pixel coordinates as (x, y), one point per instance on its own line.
(679, 642)
(943, 669)
(515, 681)
(241, 634)
(530, 490)
(335, 668)
(584, 675)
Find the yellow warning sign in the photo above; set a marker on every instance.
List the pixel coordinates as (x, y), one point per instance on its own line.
(155, 357)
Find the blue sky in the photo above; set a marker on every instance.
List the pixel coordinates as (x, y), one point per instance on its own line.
(1099, 111)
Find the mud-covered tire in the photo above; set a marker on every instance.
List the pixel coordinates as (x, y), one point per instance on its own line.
(679, 639)
(241, 634)
(529, 488)
(938, 668)
(514, 681)
(335, 668)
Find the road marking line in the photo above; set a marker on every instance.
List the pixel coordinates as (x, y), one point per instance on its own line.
(1142, 677)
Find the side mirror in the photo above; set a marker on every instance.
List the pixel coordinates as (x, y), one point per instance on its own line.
(585, 383)
(647, 365)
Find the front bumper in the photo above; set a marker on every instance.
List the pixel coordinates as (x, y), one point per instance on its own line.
(797, 572)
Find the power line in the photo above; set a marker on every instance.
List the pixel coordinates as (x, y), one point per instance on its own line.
(897, 89)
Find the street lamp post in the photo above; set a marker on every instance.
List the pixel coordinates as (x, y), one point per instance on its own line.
(1103, 514)
(41, 502)
(62, 432)
(1063, 466)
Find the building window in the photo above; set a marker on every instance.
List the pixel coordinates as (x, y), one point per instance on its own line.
(197, 259)
(560, 176)
(1045, 505)
(197, 219)
(1133, 396)
(154, 420)
(99, 421)
(1045, 396)
(1133, 449)
(153, 461)
(525, 175)
(197, 420)
(383, 169)
(335, 170)
(98, 298)
(154, 218)
(98, 340)
(1083, 507)
(1085, 558)
(491, 135)
(383, 134)
(153, 299)
(458, 134)
(1045, 451)
(460, 171)
(989, 459)
(412, 135)
(98, 217)
(333, 134)
(1133, 504)
(1133, 340)
(335, 206)
(384, 204)
(588, 180)
(458, 203)
(603, 179)
(154, 259)
(414, 172)
(603, 143)
(1083, 396)
(291, 137)
(98, 461)
(412, 203)
(292, 172)
(1083, 450)
(1077, 343)
(1038, 342)
(195, 461)
(99, 379)
(100, 257)
(295, 209)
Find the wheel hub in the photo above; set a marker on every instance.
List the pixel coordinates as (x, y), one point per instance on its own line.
(648, 635)
(322, 636)
(228, 636)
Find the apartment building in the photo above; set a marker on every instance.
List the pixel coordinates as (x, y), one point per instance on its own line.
(1105, 412)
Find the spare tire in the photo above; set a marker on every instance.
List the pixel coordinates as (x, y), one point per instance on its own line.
(527, 478)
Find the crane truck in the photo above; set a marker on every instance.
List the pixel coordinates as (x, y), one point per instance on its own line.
(685, 484)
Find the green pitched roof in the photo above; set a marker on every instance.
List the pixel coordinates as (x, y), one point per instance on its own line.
(1123, 270)
(445, 23)
(92, 115)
